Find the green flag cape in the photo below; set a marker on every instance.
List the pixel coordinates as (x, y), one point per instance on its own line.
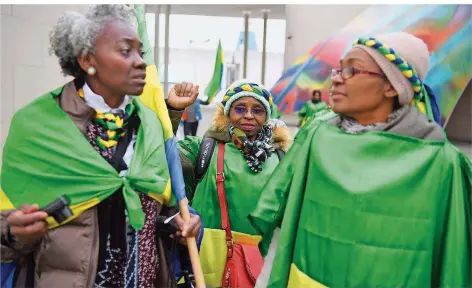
(368, 210)
(46, 157)
(241, 200)
(311, 110)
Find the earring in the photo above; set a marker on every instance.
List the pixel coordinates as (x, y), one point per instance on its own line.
(91, 71)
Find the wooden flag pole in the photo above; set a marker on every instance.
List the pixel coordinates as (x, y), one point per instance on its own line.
(192, 247)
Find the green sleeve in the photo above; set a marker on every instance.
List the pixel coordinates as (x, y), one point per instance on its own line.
(302, 112)
(188, 150)
(175, 117)
(320, 106)
(271, 205)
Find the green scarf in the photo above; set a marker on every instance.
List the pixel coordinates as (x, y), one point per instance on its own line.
(46, 157)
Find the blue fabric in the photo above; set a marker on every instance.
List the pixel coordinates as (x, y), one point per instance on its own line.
(7, 270)
(179, 257)
(434, 104)
(175, 169)
(198, 112)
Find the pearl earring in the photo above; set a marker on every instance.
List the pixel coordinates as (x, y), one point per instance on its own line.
(91, 71)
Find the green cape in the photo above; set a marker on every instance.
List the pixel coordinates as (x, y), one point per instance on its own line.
(46, 157)
(311, 110)
(368, 210)
(241, 197)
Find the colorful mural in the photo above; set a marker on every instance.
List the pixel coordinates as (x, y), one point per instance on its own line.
(446, 29)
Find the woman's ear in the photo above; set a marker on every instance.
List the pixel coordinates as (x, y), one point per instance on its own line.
(86, 61)
(389, 91)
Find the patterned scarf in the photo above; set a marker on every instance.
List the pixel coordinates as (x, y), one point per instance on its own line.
(255, 152)
(350, 125)
(113, 123)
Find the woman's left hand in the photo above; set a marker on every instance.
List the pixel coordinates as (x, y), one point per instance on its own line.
(190, 229)
(182, 95)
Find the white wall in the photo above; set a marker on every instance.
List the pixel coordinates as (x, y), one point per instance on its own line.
(309, 24)
(197, 66)
(27, 69)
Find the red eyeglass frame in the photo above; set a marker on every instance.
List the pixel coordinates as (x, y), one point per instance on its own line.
(356, 71)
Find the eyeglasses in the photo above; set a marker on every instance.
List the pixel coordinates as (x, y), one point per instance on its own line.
(241, 110)
(349, 72)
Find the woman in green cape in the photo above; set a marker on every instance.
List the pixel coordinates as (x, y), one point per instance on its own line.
(380, 197)
(252, 144)
(312, 109)
(101, 147)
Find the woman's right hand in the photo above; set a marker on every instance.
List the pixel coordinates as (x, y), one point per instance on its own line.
(28, 224)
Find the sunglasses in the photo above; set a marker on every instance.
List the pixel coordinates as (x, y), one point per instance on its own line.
(241, 110)
(349, 72)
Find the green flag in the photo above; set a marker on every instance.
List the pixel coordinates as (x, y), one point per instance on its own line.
(389, 211)
(46, 157)
(215, 83)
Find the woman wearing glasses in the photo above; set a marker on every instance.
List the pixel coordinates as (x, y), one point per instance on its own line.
(375, 196)
(251, 144)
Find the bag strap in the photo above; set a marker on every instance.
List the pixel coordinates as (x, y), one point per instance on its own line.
(280, 154)
(220, 185)
(205, 152)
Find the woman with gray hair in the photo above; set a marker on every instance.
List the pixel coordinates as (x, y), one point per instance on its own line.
(93, 141)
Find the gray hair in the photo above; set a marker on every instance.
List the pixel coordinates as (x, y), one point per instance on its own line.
(75, 34)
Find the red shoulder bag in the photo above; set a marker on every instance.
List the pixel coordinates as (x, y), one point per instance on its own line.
(244, 262)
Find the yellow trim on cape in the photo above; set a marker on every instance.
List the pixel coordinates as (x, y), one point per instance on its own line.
(5, 203)
(165, 197)
(153, 98)
(77, 209)
(299, 279)
(213, 253)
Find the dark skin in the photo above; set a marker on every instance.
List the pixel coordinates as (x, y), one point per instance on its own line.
(366, 98)
(118, 61)
(316, 95)
(249, 123)
(121, 71)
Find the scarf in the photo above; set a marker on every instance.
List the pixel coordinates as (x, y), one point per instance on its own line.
(256, 152)
(114, 124)
(351, 126)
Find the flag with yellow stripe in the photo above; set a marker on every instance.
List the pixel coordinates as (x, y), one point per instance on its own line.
(389, 211)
